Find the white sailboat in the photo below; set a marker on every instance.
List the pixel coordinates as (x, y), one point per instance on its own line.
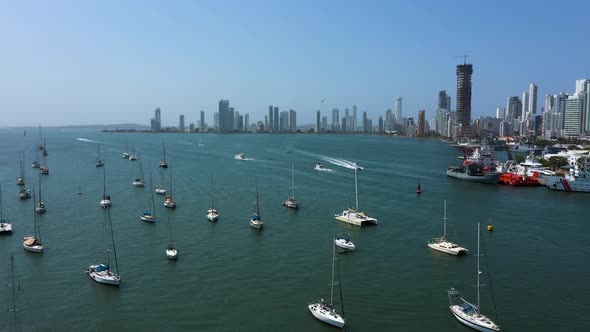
(212, 213)
(171, 251)
(442, 244)
(33, 242)
(160, 190)
(256, 219)
(467, 313)
(291, 202)
(138, 181)
(100, 272)
(163, 163)
(5, 225)
(40, 206)
(99, 161)
(20, 180)
(344, 242)
(125, 154)
(168, 200)
(44, 169)
(149, 215)
(324, 311)
(106, 199)
(35, 163)
(354, 216)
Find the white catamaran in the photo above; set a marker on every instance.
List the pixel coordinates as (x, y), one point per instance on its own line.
(467, 313)
(354, 216)
(442, 244)
(324, 311)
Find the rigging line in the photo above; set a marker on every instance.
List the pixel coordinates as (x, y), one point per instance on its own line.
(340, 286)
(490, 282)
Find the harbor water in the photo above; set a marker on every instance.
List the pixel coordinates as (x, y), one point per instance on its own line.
(231, 277)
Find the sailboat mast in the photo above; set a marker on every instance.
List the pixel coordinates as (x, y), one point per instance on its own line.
(104, 182)
(153, 206)
(257, 200)
(356, 189)
(1, 208)
(113, 240)
(332, 283)
(170, 181)
(293, 179)
(478, 272)
(164, 150)
(212, 192)
(13, 284)
(40, 188)
(445, 221)
(35, 220)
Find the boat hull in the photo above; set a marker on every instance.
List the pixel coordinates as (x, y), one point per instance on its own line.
(324, 315)
(36, 248)
(450, 251)
(5, 228)
(147, 218)
(488, 178)
(212, 217)
(105, 203)
(344, 244)
(351, 217)
(258, 224)
(105, 278)
(471, 324)
(562, 184)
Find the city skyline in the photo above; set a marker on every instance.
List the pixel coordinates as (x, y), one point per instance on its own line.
(67, 64)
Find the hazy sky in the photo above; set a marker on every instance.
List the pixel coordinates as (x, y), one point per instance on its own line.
(101, 62)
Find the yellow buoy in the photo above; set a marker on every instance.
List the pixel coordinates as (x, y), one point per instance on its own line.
(490, 227)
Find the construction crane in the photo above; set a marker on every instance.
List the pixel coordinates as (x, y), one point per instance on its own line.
(465, 56)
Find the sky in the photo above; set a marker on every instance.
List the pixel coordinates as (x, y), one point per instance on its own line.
(106, 62)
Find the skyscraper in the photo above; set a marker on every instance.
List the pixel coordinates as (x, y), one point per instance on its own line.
(335, 120)
(500, 114)
(270, 119)
(398, 110)
(346, 126)
(464, 73)
(203, 125)
(181, 122)
(532, 99)
(247, 122)
(225, 119)
(389, 122)
(573, 115)
(156, 121)
(365, 123)
(292, 121)
(443, 100)
(421, 120)
(354, 119)
(283, 121)
(275, 118)
(525, 104)
(318, 122)
(324, 123)
(513, 108)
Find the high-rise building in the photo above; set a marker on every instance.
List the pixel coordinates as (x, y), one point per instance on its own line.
(354, 119)
(500, 113)
(532, 99)
(283, 121)
(346, 124)
(365, 123)
(202, 124)
(233, 116)
(335, 120)
(421, 122)
(464, 73)
(247, 122)
(583, 90)
(389, 123)
(181, 122)
(525, 104)
(216, 121)
(292, 121)
(318, 122)
(398, 110)
(225, 118)
(443, 100)
(381, 128)
(573, 115)
(156, 121)
(270, 118)
(513, 108)
(324, 123)
(275, 118)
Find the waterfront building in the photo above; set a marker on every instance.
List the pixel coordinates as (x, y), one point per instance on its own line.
(181, 123)
(292, 121)
(283, 121)
(464, 73)
(398, 110)
(247, 122)
(225, 118)
(156, 121)
(202, 124)
(275, 118)
(318, 122)
(269, 126)
(573, 115)
(354, 119)
(421, 123)
(335, 120)
(532, 109)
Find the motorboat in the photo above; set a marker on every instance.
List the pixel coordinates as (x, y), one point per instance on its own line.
(319, 167)
(240, 156)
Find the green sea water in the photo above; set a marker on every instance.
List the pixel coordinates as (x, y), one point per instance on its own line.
(231, 277)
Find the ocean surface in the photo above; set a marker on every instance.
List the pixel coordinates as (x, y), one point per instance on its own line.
(231, 277)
